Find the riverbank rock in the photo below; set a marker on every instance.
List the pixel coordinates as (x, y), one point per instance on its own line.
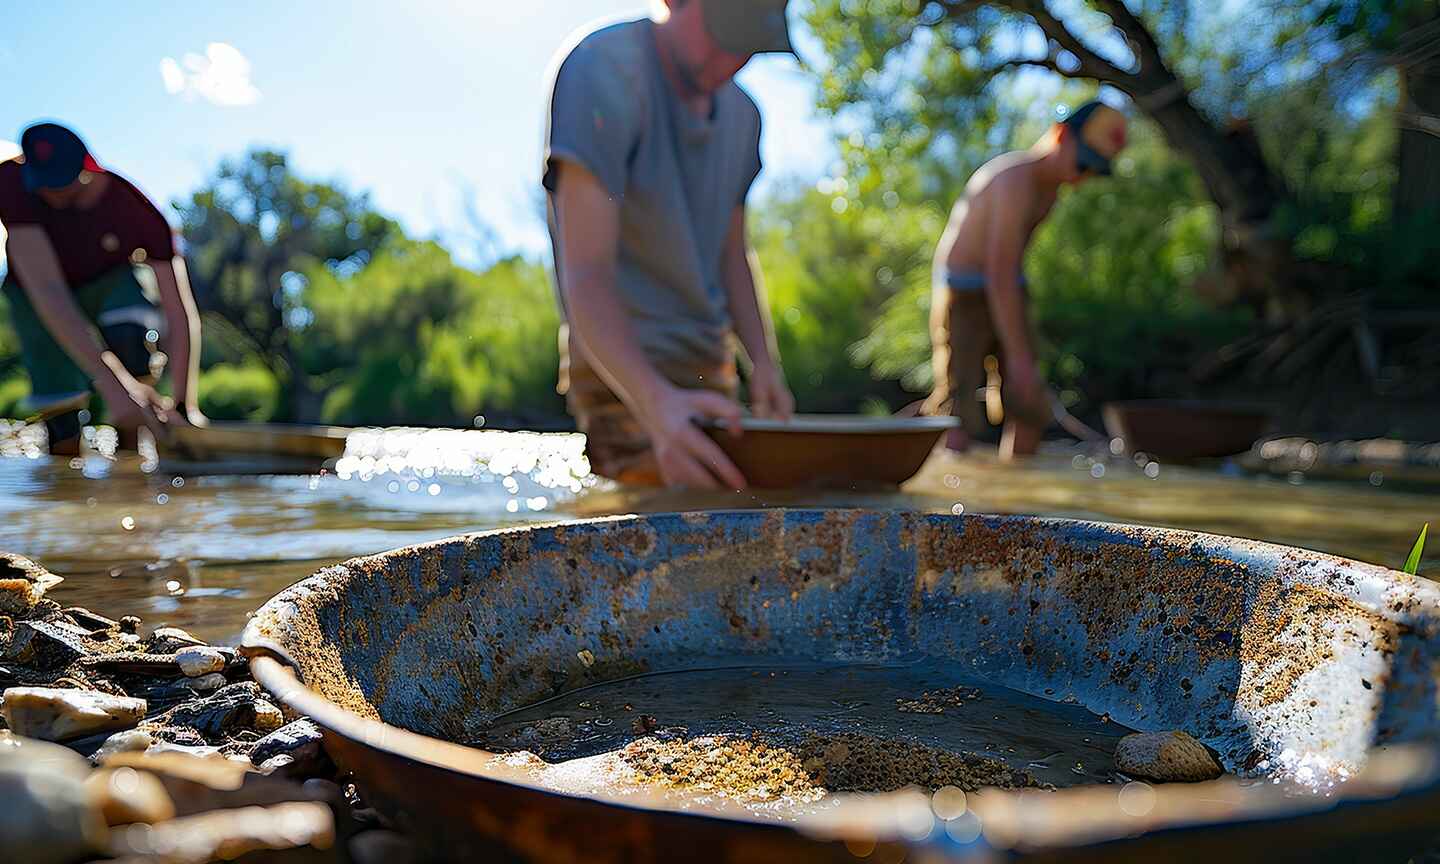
(53, 714)
(168, 640)
(47, 816)
(129, 741)
(225, 835)
(229, 710)
(126, 796)
(23, 584)
(197, 661)
(1166, 757)
(301, 741)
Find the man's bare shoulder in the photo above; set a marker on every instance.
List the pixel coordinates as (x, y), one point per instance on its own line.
(1009, 172)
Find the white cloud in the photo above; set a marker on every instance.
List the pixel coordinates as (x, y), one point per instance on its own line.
(221, 76)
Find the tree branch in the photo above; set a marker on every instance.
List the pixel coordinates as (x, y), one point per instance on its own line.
(1147, 51)
(1092, 65)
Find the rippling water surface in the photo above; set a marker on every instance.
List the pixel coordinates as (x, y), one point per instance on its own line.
(201, 553)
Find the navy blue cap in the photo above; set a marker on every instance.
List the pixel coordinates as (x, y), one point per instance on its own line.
(54, 157)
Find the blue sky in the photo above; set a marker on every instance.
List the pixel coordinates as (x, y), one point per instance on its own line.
(429, 104)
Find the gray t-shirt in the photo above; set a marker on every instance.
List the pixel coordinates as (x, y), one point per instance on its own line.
(678, 178)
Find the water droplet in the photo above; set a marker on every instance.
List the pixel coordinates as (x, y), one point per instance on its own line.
(1152, 470)
(1376, 478)
(392, 487)
(1117, 446)
(434, 489)
(174, 588)
(128, 523)
(512, 506)
(178, 482)
(162, 498)
(1097, 470)
(958, 509)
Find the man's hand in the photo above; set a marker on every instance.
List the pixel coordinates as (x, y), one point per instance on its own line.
(685, 455)
(769, 396)
(133, 404)
(1026, 396)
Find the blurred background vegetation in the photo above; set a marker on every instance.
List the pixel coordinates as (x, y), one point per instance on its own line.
(1269, 234)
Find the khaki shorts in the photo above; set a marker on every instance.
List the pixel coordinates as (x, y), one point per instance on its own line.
(615, 442)
(963, 338)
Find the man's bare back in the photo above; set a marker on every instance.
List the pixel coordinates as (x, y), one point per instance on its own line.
(979, 307)
(1012, 175)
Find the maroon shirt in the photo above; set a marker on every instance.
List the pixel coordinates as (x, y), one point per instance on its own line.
(122, 227)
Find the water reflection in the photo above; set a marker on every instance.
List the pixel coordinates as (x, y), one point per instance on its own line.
(200, 553)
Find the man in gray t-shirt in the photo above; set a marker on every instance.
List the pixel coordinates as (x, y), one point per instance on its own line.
(650, 153)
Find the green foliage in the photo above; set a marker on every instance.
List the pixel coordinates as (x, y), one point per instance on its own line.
(239, 392)
(249, 230)
(413, 337)
(1113, 276)
(829, 262)
(318, 307)
(1412, 564)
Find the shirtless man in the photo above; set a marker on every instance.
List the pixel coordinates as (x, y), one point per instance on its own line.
(979, 325)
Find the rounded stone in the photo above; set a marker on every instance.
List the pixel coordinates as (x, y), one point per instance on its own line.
(197, 661)
(1166, 757)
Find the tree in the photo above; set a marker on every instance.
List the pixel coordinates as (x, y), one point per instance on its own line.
(1404, 35)
(919, 73)
(250, 231)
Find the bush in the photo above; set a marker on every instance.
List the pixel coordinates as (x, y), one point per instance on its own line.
(233, 392)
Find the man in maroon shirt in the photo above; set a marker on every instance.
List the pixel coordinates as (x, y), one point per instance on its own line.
(82, 243)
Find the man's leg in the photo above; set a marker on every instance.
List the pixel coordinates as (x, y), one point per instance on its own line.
(58, 387)
(127, 319)
(960, 337)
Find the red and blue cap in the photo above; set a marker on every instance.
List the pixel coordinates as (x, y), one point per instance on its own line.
(54, 157)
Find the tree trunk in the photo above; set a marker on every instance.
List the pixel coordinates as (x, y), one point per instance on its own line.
(1259, 264)
(1417, 192)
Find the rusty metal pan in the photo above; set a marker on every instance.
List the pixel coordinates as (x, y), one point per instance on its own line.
(831, 451)
(1272, 656)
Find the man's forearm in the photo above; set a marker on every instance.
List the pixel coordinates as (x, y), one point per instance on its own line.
(183, 330)
(750, 314)
(69, 327)
(598, 321)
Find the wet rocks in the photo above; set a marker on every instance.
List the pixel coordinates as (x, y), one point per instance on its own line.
(23, 584)
(1166, 757)
(49, 645)
(207, 683)
(168, 640)
(129, 741)
(47, 816)
(230, 709)
(300, 740)
(197, 661)
(54, 714)
(228, 834)
(125, 796)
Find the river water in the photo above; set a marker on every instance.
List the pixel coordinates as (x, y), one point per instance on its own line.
(201, 553)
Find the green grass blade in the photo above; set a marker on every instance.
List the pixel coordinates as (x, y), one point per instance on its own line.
(1412, 564)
